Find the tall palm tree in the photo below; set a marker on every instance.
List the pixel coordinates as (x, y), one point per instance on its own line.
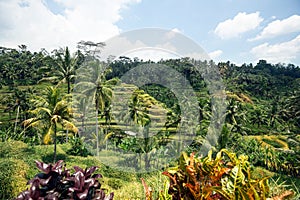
(64, 70)
(64, 67)
(107, 115)
(138, 109)
(51, 110)
(138, 113)
(92, 82)
(82, 108)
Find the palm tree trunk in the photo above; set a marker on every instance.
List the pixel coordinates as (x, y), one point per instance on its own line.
(69, 90)
(97, 132)
(54, 156)
(147, 148)
(106, 141)
(147, 161)
(69, 86)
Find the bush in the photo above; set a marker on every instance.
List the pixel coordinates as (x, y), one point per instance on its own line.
(78, 148)
(225, 177)
(14, 149)
(13, 177)
(56, 182)
(281, 161)
(115, 183)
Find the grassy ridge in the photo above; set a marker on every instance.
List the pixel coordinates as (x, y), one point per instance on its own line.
(17, 167)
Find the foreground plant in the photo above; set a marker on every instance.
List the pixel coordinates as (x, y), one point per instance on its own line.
(225, 177)
(55, 182)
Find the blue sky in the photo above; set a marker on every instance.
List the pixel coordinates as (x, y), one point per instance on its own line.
(241, 31)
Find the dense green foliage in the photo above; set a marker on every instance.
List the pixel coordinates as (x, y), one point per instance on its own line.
(78, 147)
(13, 177)
(262, 118)
(224, 177)
(18, 160)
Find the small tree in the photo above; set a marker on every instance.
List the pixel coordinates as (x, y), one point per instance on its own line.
(63, 67)
(92, 82)
(51, 110)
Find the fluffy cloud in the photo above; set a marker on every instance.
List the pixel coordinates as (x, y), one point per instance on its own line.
(32, 23)
(152, 54)
(215, 54)
(134, 47)
(173, 33)
(280, 27)
(241, 23)
(121, 46)
(284, 52)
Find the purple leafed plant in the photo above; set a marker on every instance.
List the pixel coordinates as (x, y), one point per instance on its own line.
(55, 182)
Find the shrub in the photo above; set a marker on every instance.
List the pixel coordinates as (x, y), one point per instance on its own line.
(225, 177)
(115, 183)
(277, 160)
(56, 182)
(9, 134)
(13, 177)
(78, 148)
(13, 149)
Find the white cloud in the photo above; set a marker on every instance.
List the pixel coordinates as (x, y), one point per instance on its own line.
(280, 27)
(215, 54)
(197, 56)
(120, 46)
(152, 54)
(281, 52)
(37, 27)
(123, 46)
(173, 33)
(241, 23)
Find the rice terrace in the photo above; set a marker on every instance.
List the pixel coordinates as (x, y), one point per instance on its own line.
(147, 113)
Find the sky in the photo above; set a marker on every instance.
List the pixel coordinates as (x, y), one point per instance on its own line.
(239, 31)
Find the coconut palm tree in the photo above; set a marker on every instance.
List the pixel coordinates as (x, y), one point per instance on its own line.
(138, 109)
(92, 82)
(63, 67)
(138, 114)
(51, 112)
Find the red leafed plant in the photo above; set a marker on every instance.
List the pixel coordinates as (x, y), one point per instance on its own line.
(55, 182)
(224, 177)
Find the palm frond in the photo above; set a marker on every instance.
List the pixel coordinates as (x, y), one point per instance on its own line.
(47, 137)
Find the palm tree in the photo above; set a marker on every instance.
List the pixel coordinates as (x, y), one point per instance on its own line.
(138, 109)
(138, 114)
(107, 115)
(51, 110)
(64, 67)
(80, 102)
(92, 82)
